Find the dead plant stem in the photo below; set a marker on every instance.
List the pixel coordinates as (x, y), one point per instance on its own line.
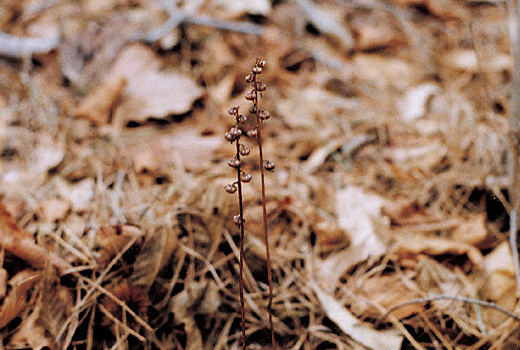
(264, 213)
(241, 259)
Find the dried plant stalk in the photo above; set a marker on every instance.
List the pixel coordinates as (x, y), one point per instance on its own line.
(261, 116)
(233, 135)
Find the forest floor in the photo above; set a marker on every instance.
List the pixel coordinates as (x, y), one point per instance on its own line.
(387, 210)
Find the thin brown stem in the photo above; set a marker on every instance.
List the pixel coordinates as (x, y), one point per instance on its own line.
(264, 211)
(241, 260)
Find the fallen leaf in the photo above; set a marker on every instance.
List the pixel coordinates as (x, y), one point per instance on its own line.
(150, 91)
(412, 246)
(377, 340)
(21, 244)
(17, 297)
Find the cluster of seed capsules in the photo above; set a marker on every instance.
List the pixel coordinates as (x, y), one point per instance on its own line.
(235, 132)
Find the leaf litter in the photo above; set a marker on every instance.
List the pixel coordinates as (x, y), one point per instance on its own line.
(388, 211)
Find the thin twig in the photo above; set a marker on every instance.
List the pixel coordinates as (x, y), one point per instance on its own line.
(514, 134)
(20, 47)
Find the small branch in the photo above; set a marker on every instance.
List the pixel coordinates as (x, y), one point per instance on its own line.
(20, 47)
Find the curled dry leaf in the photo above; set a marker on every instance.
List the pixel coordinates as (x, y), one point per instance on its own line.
(17, 296)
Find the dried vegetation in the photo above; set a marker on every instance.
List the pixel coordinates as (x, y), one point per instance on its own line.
(387, 213)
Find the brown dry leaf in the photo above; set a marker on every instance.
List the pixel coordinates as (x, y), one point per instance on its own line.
(185, 148)
(377, 340)
(21, 244)
(97, 106)
(111, 239)
(17, 297)
(375, 30)
(387, 291)
(413, 246)
(472, 231)
(500, 286)
(151, 92)
(402, 211)
(156, 252)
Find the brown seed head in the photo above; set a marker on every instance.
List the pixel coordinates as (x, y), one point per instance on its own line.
(269, 165)
(237, 220)
(234, 162)
(244, 177)
(260, 86)
(263, 114)
(253, 132)
(231, 188)
(257, 70)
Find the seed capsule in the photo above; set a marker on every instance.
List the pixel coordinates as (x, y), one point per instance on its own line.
(260, 63)
(237, 220)
(249, 78)
(231, 188)
(257, 70)
(244, 177)
(235, 132)
(241, 119)
(250, 96)
(263, 114)
(252, 109)
(233, 110)
(229, 136)
(269, 165)
(234, 163)
(260, 86)
(244, 151)
(252, 133)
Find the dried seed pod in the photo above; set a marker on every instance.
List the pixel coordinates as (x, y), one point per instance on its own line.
(244, 177)
(249, 78)
(241, 119)
(237, 220)
(250, 96)
(260, 86)
(229, 136)
(257, 70)
(233, 110)
(260, 63)
(252, 109)
(235, 132)
(253, 132)
(244, 151)
(263, 114)
(231, 188)
(269, 165)
(234, 162)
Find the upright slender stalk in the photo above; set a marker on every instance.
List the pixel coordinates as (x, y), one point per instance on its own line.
(233, 135)
(262, 115)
